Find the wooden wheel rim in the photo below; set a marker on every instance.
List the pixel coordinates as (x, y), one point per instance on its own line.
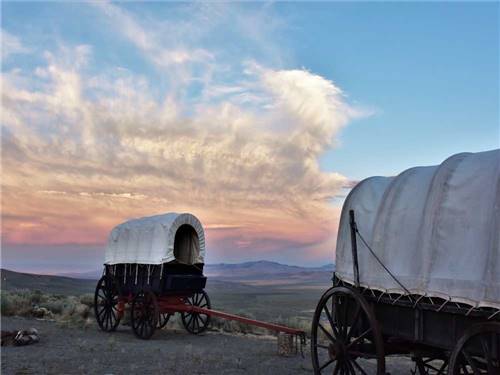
(343, 339)
(196, 323)
(144, 314)
(105, 304)
(462, 362)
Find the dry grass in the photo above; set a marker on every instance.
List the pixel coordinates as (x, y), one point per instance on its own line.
(78, 311)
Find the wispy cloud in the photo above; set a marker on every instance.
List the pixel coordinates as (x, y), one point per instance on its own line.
(83, 150)
(11, 44)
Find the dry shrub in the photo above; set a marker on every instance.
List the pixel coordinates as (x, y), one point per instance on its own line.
(16, 303)
(27, 303)
(56, 306)
(87, 299)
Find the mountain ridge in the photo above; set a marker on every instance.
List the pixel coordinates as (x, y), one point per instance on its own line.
(232, 270)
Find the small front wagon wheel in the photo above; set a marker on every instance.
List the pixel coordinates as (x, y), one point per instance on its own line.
(106, 304)
(345, 329)
(196, 323)
(144, 314)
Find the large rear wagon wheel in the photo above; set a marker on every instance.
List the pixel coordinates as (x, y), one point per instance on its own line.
(106, 304)
(144, 314)
(477, 351)
(196, 323)
(344, 329)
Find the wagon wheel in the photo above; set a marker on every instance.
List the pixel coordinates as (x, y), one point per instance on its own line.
(144, 314)
(344, 328)
(163, 320)
(196, 322)
(477, 351)
(105, 304)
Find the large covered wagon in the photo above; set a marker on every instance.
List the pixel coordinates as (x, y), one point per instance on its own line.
(417, 273)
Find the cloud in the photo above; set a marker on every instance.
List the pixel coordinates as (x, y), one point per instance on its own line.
(84, 149)
(161, 43)
(11, 45)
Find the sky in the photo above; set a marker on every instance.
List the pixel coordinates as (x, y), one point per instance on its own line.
(256, 117)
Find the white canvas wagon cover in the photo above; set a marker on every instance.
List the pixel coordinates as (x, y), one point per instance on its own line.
(157, 239)
(436, 228)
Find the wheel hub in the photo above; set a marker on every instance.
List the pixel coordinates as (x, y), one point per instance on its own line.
(337, 351)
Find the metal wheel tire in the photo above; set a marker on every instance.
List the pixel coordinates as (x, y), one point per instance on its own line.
(196, 323)
(344, 328)
(106, 298)
(477, 351)
(163, 320)
(144, 314)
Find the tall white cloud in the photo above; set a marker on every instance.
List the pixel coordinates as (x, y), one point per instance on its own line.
(82, 150)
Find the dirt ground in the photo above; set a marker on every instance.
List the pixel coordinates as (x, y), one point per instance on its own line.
(64, 350)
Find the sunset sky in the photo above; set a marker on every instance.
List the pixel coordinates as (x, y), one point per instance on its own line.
(255, 117)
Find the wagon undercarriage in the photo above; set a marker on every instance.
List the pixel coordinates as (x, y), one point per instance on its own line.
(149, 311)
(349, 326)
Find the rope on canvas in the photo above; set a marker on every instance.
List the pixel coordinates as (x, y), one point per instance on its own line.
(383, 265)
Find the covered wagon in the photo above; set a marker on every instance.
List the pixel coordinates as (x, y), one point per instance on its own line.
(417, 273)
(154, 265)
(151, 263)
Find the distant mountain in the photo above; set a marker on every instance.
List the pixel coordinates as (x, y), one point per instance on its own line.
(89, 275)
(270, 273)
(221, 277)
(262, 269)
(47, 284)
(12, 281)
(328, 267)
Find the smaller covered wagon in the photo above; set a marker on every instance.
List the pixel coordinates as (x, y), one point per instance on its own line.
(153, 263)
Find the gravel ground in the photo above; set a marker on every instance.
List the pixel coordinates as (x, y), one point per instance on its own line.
(64, 350)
